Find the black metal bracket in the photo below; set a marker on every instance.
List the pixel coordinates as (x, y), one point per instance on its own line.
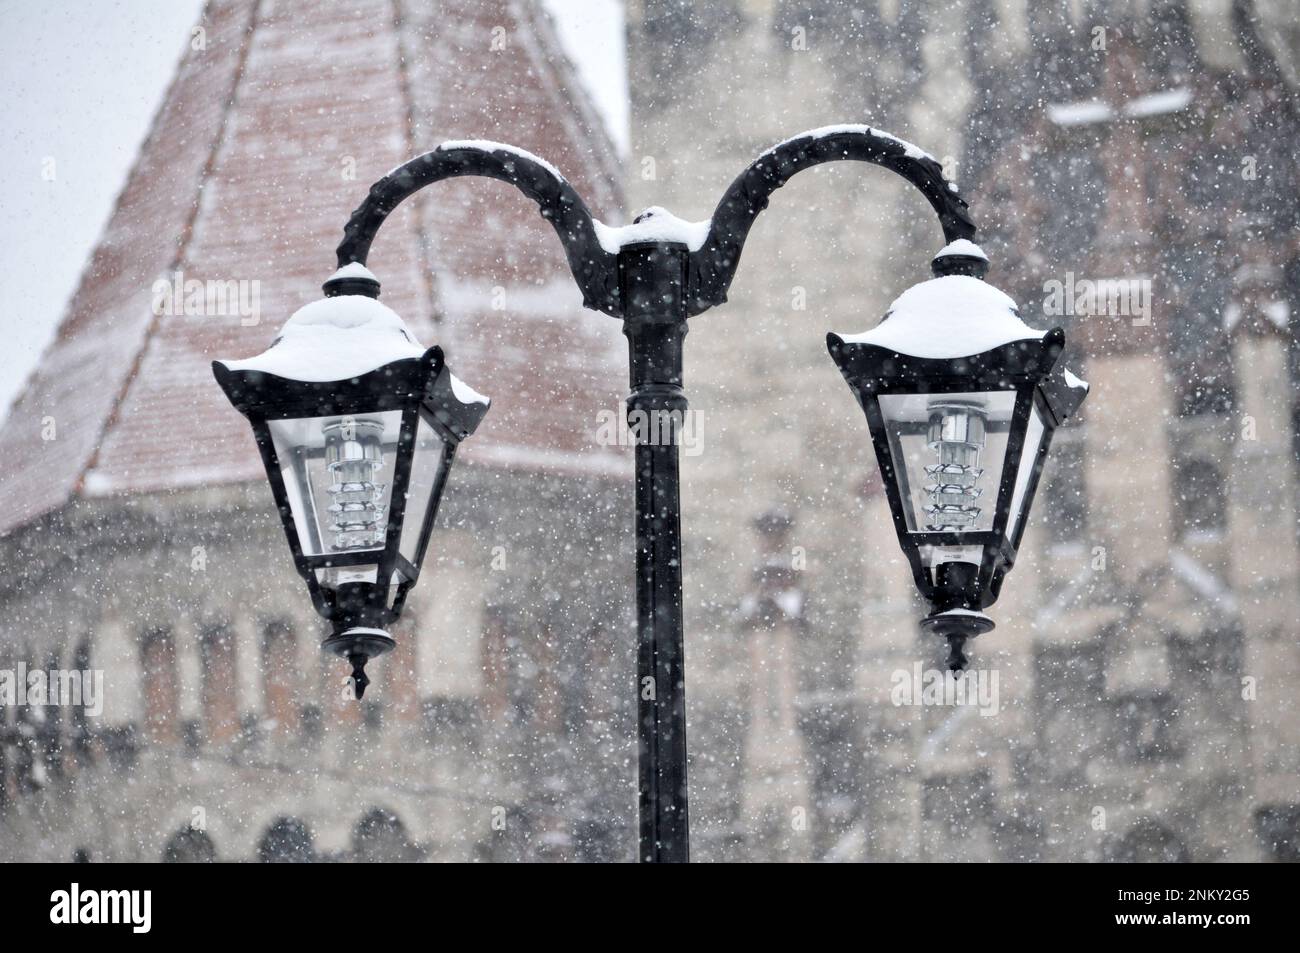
(594, 269)
(710, 268)
(714, 265)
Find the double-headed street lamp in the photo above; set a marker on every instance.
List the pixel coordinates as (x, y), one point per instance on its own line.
(358, 425)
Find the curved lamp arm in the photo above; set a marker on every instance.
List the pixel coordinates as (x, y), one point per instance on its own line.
(594, 269)
(714, 265)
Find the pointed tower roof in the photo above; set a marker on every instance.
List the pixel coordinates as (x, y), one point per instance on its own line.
(269, 136)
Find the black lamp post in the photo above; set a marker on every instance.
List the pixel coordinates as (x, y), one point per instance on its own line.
(652, 275)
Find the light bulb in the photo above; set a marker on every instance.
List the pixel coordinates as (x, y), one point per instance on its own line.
(956, 434)
(354, 456)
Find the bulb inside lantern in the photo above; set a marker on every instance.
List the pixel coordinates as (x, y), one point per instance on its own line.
(354, 457)
(956, 434)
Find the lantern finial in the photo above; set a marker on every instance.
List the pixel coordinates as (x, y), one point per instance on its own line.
(359, 679)
(958, 626)
(962, 257)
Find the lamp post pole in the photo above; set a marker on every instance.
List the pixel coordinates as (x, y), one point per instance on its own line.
(657, 277)
(652, 278)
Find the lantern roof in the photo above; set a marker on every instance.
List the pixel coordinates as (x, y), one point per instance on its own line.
(341, 338)
(950, 317)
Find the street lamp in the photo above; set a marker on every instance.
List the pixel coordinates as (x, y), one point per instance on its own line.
(358, 427)
(962, 398)
(653, 275)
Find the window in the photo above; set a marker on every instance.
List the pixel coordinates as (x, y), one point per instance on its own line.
(219, 693)
(1064, 502)
(1200, 499)
(158, 662)
(279, 676)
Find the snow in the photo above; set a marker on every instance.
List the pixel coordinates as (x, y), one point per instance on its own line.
(335, 339)
(961, 613)
(962, 246)
(339, 338)
(466, 394)
(1072, 381)
(354, 270)
(952, 316)
(487, 145)
(910, 150)
(1203, 582)
(1156, 104)
(1079, 114)
(1096, 110)
(1276, 311)
(656, 225)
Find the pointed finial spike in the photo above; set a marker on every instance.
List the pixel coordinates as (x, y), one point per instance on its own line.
(359, 679)
(957, 659)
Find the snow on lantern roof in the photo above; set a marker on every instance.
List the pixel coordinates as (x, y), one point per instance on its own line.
(655, 224)
(341, 338)
(949, 317)
(962, 247)
(1074, 382)
(334, 339)
(354, 269)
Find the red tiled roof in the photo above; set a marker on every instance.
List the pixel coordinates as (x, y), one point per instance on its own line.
(266, 141)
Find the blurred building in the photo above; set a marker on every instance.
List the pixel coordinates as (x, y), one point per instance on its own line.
(1145, 643)
(139, 535)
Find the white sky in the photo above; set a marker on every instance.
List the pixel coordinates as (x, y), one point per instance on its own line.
(82, 80)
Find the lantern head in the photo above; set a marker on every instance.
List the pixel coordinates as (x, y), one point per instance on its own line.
(961, 398)
(358, 427)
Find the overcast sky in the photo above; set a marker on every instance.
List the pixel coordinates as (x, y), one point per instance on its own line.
(82, 80)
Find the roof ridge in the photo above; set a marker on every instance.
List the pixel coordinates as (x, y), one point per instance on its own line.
(187, 230)
(573, 93)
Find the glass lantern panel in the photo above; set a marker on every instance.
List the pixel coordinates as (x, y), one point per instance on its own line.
(331, 577)
(948, 451)
(1033, 443)
(426, 472)
(338, 475)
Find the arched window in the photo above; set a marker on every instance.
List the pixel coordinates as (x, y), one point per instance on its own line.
(287, 841)
(219, 693)
(381, 837)
(280, 675)
(1149, 842)
(189, 846)
(161, 695)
